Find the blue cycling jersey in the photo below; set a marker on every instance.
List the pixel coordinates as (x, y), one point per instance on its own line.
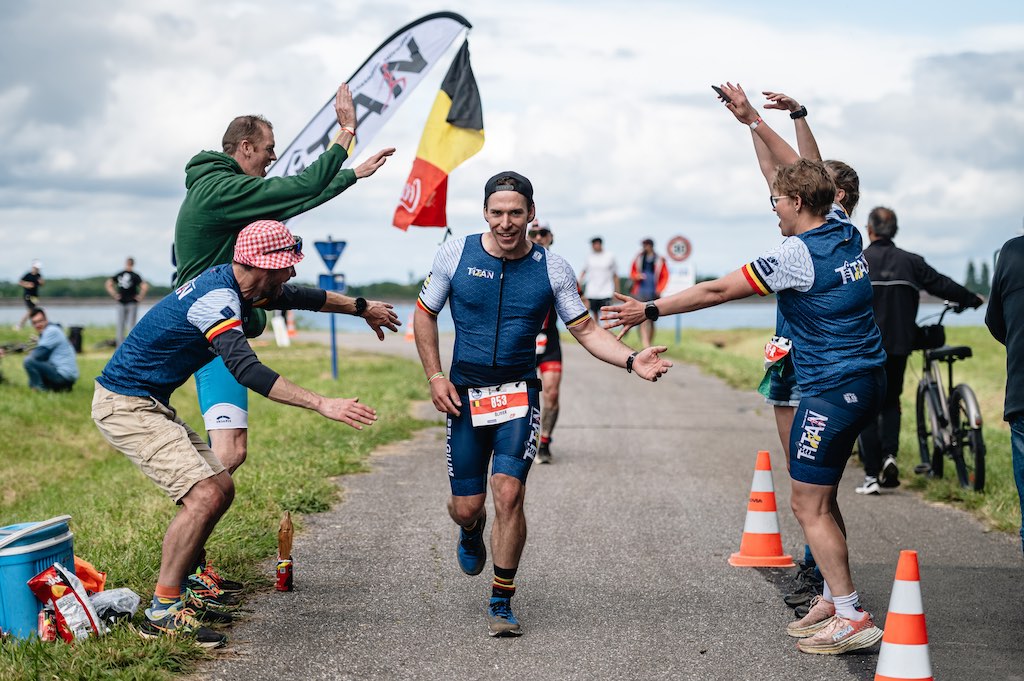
(824, 297)
(498, 306)
(173, 339)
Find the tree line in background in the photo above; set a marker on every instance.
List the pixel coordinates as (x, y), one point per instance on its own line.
(979, 282)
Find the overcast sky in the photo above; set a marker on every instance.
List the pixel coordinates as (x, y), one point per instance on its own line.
(606, 106)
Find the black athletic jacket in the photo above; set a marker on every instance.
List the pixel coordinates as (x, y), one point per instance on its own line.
(1005, 319)
(897, 278)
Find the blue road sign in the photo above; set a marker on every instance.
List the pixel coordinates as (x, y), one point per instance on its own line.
(333, 282)
(330, 251)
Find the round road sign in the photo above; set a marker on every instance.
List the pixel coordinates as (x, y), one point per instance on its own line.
(679, 248)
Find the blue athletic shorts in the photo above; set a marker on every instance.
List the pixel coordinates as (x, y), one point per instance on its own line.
(223, 400)
(513, 444)
(825, 427)
(783, 390)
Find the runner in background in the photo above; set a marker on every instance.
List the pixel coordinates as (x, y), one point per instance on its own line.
(549, 357)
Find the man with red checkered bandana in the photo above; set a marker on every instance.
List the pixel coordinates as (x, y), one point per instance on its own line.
(201, 320)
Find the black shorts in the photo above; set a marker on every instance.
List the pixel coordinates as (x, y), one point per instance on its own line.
(826, 425)
(469, 450)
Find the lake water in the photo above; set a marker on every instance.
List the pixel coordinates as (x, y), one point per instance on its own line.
(728, 316)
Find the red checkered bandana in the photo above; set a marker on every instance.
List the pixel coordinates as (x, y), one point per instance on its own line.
(260, 243)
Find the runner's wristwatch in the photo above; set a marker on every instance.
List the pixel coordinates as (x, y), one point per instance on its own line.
(630, 360)
(360, 306)
(651, 311)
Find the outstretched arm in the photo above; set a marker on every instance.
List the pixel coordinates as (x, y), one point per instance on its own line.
(247, 369)
(732, 286)
(647, 364)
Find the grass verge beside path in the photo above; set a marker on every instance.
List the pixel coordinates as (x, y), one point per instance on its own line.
(53, 461)
(736, 357)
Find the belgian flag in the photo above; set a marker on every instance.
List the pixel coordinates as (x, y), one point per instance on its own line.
(454, 132)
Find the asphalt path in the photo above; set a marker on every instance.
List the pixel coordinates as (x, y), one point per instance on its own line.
(625, 572)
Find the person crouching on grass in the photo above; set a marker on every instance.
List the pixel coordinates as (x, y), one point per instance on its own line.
(201, 320)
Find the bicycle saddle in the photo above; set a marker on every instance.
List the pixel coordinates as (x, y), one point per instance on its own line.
(949, 353)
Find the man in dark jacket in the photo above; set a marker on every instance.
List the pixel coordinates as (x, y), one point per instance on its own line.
(897, 279)
(1005, 319)
(225, 192)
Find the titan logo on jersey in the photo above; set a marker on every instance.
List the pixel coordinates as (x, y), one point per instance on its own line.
(813, 425)
(185, 289)
(477, 272)
(853, 271)
(533, 438)
(767, 265)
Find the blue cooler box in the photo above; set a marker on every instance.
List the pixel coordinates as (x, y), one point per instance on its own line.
(26, 549)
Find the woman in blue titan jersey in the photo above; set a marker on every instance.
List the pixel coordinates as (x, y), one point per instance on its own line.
(820, 278)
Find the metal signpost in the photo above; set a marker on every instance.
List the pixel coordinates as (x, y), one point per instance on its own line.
(330, 251)
(681, 275)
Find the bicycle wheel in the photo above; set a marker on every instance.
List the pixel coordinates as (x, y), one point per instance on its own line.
(930, 440)
(968, 450)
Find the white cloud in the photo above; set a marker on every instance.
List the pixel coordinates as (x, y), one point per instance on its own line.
(609, 112)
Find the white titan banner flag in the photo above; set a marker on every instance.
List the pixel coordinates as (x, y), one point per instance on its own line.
(378, 87)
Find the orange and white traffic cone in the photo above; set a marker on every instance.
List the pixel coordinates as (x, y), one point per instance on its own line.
(761, 545)
(290, 317)
(904, 653)
(410, 332)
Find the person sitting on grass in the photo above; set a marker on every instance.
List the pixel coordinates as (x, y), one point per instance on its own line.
(51, 366)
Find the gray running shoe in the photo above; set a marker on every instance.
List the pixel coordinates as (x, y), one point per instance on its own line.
(841, 636)
(543, 454)
(818, 616)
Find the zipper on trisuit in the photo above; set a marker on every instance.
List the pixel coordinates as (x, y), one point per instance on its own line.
(497, 322)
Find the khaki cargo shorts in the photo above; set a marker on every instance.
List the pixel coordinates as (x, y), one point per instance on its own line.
(152, 436)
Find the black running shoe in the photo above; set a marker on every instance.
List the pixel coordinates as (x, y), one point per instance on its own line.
(890, 475)
(544, 454)
(205, 591)
(228, 586)
(178, 620)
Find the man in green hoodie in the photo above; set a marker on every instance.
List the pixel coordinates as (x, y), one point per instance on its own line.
(225, 192)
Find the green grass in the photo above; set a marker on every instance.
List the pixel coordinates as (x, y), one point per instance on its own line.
(736, 357)
(54, 461)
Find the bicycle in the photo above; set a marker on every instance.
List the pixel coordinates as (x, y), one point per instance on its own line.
(948, 424)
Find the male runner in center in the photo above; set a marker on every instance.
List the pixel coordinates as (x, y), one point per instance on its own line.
(501, 286)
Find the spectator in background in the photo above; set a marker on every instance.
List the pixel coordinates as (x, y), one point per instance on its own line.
(650, 277)
(51, 365)
(598, 278)
(897, 278)
(128, 289)
(30, 282)
(1005, 319)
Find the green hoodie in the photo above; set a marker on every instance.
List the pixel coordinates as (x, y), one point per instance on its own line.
(222, 200)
